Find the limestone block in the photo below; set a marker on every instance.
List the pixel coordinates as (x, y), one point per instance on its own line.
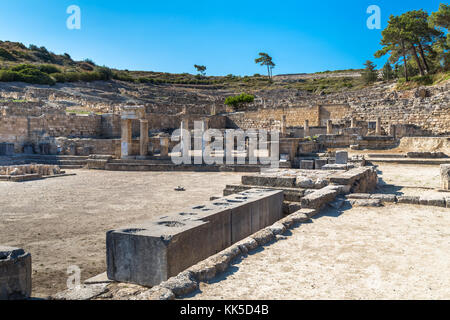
(319, 163)
(445, 176)
(408, 199)
(341, 157)
(432, 200)
(151, 252)
(15, 274)
(319, 198)
(307, 164)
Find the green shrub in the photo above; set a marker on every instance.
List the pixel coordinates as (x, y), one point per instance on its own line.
(49, 69)
(28, 75)
(423, 80)
(237, 102)
(105, 73)
(6, 55)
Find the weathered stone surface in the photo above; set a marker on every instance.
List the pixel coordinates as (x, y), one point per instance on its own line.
(432, 200)
(319, 198)
(100, 278)
(366, 202)
(83, 292)
(384, 197)
(341, 157)
(445, 176)
(15, 273)
(263, 236)
(303, 182)
(259, 180)
(307, 164)
(408, 199)
(248, 244)
(358, 196)
(319, 163)
(156, 293)
(204, 270)
(181, 284)
(277, 228)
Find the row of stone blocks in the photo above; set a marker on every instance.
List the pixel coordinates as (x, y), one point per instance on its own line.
(151, 252)
(40, 169)
(15, 274)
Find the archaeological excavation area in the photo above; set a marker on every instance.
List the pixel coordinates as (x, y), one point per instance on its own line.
(94, 207)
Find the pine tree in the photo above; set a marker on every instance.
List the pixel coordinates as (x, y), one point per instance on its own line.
(370, 75)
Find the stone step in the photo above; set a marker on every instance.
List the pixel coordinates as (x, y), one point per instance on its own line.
(386, 155)
(290, 194)
(71, 166)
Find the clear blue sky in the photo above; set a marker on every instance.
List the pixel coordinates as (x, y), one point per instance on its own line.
(225, 35)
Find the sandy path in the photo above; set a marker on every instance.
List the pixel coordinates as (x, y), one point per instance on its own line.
(63, 221)
(393, 252)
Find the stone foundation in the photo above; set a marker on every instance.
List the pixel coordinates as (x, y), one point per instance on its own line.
(15, 274)
(153, 251)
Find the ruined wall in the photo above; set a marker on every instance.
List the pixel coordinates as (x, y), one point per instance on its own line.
(271, 118)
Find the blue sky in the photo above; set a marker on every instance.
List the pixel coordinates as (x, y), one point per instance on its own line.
(226, 36)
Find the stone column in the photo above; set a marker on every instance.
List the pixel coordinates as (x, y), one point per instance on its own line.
(164, 147)
(445, 177)
(283, 125)
(184, 126)
(213, 110)
(143, 141)
(329, 127)
(306, 132)
(392, 130)
(378, 127)
(353, 123)
(126, 138)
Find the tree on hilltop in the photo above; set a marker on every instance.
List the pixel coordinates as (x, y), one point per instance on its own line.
(266, 60)
(201, 69)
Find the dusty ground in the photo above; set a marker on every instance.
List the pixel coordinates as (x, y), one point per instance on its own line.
(63, 221)
(395, 252)
(408, 179)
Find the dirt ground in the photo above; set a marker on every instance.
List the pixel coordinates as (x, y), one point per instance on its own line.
(63, 221)
(392, 252)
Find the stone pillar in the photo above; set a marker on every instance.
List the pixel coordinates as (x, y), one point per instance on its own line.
(126, 138)
(164, 147)
(353, 123)
(445, 176)
(392, 130)
(329, 127)
(306, 129)
(143, 141)
(283, 125)
(378, 127)
(213, 110)
(184, 126)
(15, 274)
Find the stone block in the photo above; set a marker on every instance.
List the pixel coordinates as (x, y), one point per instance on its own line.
(445, 176)
(384, 197)
(151, 252)
(408, 199)
(15, 274)
(319, 163)
(341, 157)
(307, 164)
(432, 200)
(319, 198)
